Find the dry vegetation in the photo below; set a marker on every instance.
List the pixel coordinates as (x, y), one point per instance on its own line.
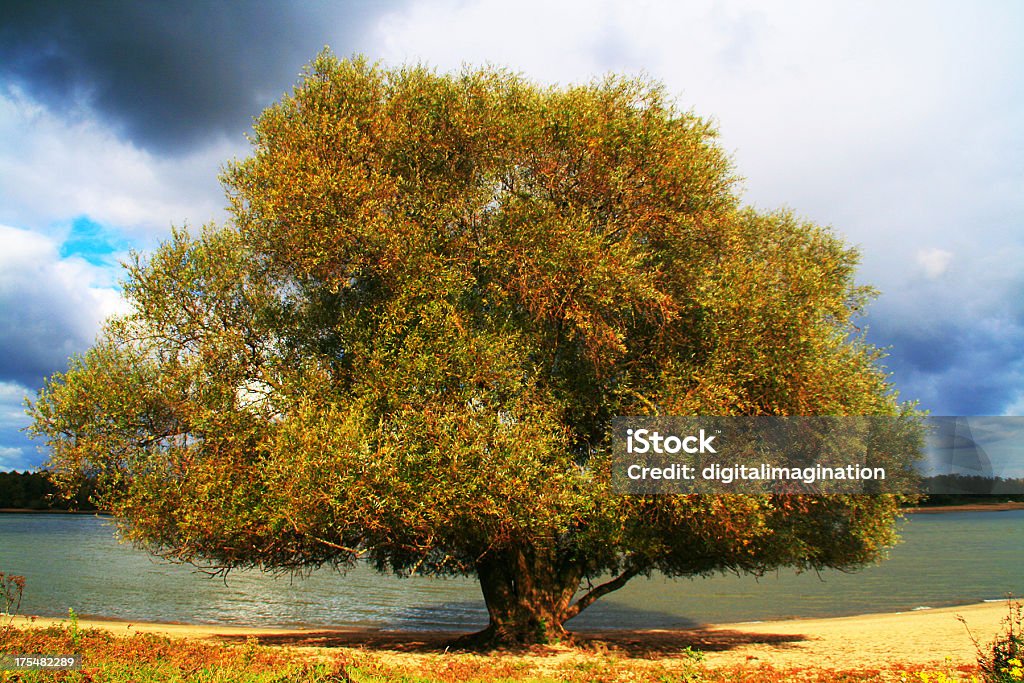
(144, 658)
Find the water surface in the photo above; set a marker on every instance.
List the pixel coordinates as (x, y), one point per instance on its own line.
(75, 561)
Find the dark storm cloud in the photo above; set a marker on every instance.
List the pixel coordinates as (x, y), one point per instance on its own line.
(966, 367)
(172, 74)
(44, 323)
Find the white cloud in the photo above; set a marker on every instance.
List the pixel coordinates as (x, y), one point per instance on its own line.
(554, 40)
(890, 121)
(54, 168)
(1017, 407)
(12, 408)
(934, 262)
(16, 452)
(12, 458)
(52, 306)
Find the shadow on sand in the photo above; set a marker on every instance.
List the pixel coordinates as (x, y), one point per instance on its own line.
(632, 643)
(666, 635)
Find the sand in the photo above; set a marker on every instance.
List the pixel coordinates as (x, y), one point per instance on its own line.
(968, 507)
(870, 640)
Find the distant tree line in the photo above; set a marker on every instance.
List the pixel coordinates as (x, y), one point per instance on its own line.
(35, 491)
(958, 489)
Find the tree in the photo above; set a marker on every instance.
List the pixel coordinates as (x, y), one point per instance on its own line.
(407, 344)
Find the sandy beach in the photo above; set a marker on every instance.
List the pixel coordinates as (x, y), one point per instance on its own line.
(871, 640)
(968, 507)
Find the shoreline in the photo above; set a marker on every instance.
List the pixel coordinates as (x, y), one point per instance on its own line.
(922, 636)
(36, 511)
(967, 507)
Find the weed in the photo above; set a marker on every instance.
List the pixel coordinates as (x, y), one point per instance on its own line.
(11, 588)
(1001, 660)
(76, 634)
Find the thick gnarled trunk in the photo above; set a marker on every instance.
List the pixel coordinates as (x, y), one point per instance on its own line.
(529, 597)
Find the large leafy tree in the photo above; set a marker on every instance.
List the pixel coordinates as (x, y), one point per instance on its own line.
(408, 342)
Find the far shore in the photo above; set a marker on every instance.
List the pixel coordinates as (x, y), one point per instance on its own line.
(924, 636)
(37, 511)
(970, 507)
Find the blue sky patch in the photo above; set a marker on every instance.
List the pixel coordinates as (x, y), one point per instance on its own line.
(93, 242)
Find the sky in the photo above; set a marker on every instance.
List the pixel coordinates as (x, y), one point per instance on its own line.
(897, 124)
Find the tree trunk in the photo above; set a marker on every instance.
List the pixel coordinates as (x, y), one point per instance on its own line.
(528, 597)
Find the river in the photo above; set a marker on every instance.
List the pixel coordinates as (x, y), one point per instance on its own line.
(74, 561)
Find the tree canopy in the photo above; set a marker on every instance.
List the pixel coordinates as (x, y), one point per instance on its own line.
(407, 344)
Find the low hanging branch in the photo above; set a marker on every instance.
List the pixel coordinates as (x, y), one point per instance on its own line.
(600, 591)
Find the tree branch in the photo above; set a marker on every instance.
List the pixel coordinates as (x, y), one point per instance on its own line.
(600, 591)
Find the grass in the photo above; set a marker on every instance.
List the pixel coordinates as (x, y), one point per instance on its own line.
(142, 658)
(147, 658)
